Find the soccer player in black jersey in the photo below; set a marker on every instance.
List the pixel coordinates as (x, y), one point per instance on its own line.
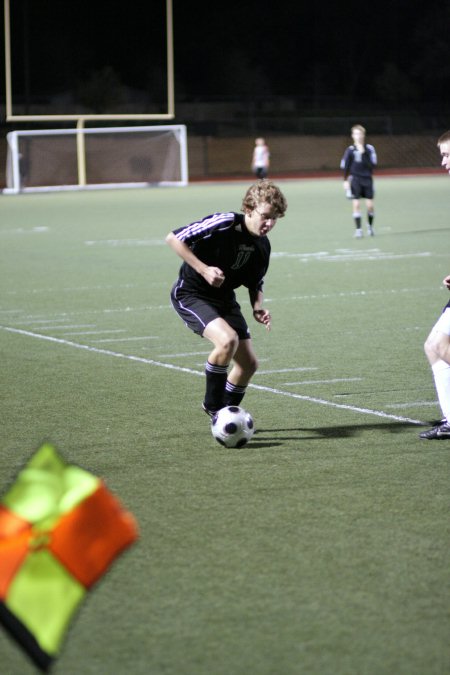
(358, 163)
(437, 345)
(220, 253)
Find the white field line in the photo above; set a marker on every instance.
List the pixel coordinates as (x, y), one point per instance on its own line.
(182, 354)
(181, 369)
(92, 332)
(333, 381)
(11, 311)
(125, 242)
(127, 339)
(349, 255)
(414, 404)
(306, 296)
(23, 230)
(361, 293)
(73, 289)
(30, 319)
(48, 322)
(342, 406)
(67, 325)
(285, 370)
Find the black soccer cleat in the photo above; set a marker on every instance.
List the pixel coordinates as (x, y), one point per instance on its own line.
(438, 432)
(209, 412)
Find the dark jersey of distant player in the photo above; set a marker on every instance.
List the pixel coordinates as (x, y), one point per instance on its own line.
(357, 163)
(222, 240)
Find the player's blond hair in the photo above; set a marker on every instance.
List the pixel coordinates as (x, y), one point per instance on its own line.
(445, 138)
(264, 191)
(358, 127)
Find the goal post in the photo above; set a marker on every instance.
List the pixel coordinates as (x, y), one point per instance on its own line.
(21, 53)
(97, 158)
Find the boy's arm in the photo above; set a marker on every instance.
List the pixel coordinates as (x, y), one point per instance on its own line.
(213, 275)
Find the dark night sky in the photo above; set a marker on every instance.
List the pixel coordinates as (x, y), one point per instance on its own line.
(388, 53)
(341, 47)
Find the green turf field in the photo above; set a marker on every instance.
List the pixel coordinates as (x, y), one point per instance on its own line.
(322, 548)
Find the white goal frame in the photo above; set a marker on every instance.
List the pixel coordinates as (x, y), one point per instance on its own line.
(13, 159)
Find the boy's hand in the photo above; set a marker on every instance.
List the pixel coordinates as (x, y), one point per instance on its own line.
(214, 276)
(263, 316)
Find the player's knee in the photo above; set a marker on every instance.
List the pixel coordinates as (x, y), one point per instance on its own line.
(429, 346)
(437, 346)
(229, 343)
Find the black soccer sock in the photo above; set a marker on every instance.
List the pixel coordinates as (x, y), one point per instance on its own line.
(216, 377)
(357, 219)
(234, 393)
(370, 217)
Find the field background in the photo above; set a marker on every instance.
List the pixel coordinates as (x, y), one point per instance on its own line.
(320, 548)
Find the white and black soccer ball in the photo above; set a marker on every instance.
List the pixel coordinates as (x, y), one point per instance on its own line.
(232, 426)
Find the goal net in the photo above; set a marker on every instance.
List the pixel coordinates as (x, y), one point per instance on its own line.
(79, 159)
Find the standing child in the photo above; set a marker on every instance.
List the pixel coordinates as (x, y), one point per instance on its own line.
(358, 163)
(261, 158)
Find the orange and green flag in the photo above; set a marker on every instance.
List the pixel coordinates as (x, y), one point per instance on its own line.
(60, 530)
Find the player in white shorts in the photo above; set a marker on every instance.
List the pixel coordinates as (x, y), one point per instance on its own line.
(437, 349)
(437, 345)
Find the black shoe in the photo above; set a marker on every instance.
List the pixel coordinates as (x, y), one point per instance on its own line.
(438, 432)
(209, 412)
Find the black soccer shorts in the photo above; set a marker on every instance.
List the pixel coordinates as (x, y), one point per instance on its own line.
(362, 187)
(197, 312)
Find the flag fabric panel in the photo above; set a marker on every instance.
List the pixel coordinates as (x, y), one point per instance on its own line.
(60, 530)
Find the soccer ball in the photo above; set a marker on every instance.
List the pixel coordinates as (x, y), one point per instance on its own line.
(232, 426)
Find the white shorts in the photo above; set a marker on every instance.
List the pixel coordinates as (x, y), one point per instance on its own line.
(443, 323)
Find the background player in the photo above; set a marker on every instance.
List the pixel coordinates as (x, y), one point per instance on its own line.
(358, 163)
(437, 345)
(261, 158)
(222, 252)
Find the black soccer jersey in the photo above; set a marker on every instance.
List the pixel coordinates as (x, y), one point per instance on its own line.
(222, 240)
(357, 163)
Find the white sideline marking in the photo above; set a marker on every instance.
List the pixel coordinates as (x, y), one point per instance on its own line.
(67, 325)
(342, 406)
(415, 404)
(181, 369)
(23, 230)
(127, 339)
(347, 255)
(97, 350)
(336, 379)
(41, 318)
(126, 242)
(95, 332)
(69, 289)
(181, 354)
(283, 370)
(351, 294)
(92, 332)
(50, 322)
(36, 318)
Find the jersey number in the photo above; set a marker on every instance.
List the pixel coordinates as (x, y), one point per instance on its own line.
(242, 257)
